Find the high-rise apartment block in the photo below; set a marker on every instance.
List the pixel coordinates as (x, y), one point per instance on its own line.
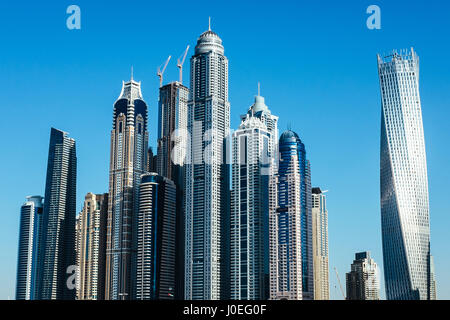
(57, 253)
(30, 233)
(320, 245)
(172, 140)
(128, 161)
(253, 152)
(405, 217)
(207, 173)
(155, 252)
(291, 263)
(362, 280)
(92, 247)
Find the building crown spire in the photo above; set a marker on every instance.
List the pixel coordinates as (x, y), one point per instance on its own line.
(209, 23)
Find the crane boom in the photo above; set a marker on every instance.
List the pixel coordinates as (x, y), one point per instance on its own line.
(160, 72)
(180, 63)
(340, 284)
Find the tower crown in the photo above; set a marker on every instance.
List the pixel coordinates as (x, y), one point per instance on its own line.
(131, 90)
(209, 41)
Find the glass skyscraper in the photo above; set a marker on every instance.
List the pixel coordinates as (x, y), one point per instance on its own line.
(156, 244)
(92, 247)
(29, 245)
(290, 224)
(58, 221)
(128, 161)
(320, 245)
(207, 173)
(172, 139)
(362, 280)
(403, 180)
(253, 154)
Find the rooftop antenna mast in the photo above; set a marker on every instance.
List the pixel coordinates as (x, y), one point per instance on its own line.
(209, 23)
(259, 89)
(160, 72)
(180, 63)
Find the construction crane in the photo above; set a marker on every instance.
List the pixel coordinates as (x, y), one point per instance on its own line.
(161, 72)
(340, 284)
(180, 63)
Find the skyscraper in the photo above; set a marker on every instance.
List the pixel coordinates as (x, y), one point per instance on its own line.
(129, 141)
(362, 280)
(320, 245)
(403, 180)
(92, 247)
(58, 220)
(172, 139)
(290, 226)
(253, 155)
(172, 128)
(29, 244)
(151, 160)
(156, 245)
(207, 174)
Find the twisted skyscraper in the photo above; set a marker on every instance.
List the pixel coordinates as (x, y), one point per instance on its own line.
(403, 181)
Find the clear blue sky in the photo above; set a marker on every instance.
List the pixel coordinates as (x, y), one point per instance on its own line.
(316, 62)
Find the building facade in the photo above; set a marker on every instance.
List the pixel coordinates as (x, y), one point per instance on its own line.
(403, 180)
(92, 247)
(156, 241)
(30, 233)
(291, 229)
(128, 161)
(57, 255)
(320, 245)
(252, 166)
(172, 139)
(172, 128)
(207, 173)
(151, 160)
(362, 281)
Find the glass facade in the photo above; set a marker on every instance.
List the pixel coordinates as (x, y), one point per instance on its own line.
(403, 180)
(58, 221)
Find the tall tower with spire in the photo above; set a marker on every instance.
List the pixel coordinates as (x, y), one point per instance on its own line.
(253, 154)
(207, 174)
(129, 143)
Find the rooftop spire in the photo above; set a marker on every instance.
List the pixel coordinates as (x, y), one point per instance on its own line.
(259, 89)
(209, 23)
(131, 72)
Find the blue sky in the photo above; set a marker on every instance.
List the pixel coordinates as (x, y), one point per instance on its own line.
(316, 61)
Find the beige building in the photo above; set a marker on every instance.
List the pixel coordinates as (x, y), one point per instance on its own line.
(91, 245)
(320, 245)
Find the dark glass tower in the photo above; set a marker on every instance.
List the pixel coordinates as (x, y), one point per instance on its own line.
(29, 241)
(128, 161)
(292, 259)
(172, 135)
(155, 233)
(58, 229)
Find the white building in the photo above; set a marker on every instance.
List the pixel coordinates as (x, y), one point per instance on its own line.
(404, 182)
(207, 181)
(320, 245)
(253, 164)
